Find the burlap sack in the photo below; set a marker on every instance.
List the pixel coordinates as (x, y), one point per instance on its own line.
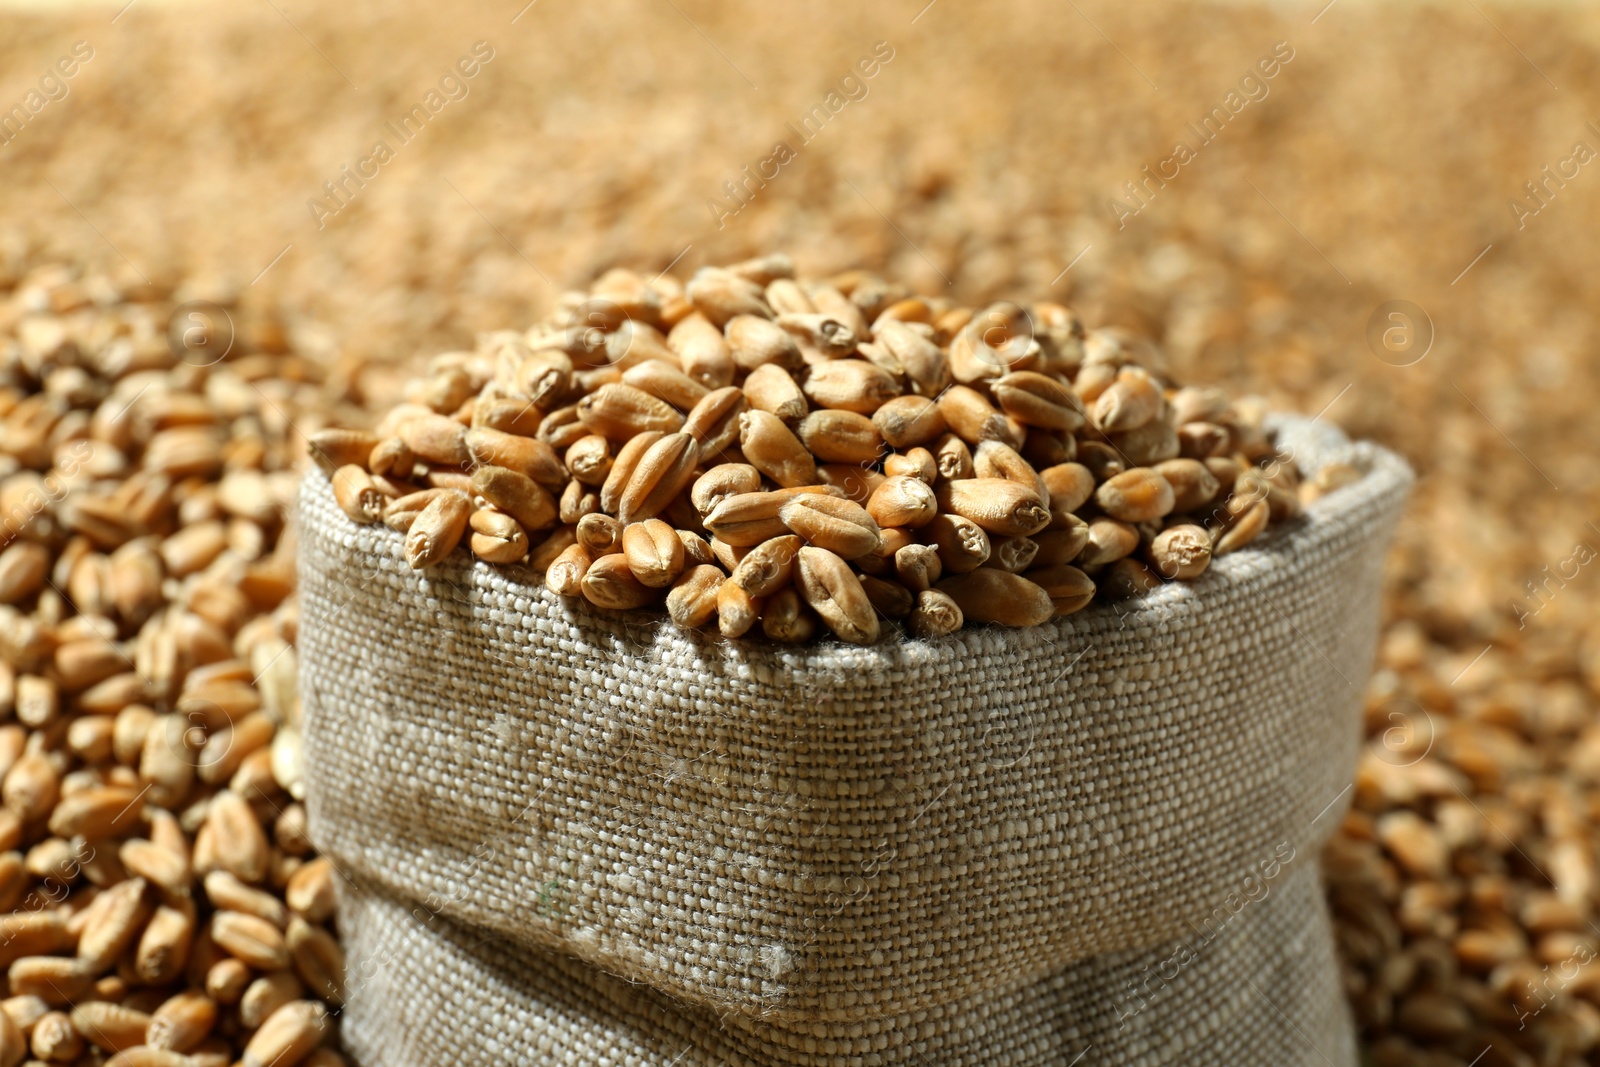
(830, 837)
(1260, 988)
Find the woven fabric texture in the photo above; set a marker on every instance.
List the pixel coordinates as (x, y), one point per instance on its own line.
(832, 835)
(1257, 990)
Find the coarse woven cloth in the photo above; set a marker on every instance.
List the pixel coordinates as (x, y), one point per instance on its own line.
(835, 834)
(1259, 989)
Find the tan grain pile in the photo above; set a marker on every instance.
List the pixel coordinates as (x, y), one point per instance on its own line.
(759, 447)
(165, 906)
(1463, 882)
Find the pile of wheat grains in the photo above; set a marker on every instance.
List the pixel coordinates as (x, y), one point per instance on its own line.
(1462, 882)
(818, 456)
(165, 906)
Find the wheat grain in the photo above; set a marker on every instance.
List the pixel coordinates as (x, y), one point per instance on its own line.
(827, 584)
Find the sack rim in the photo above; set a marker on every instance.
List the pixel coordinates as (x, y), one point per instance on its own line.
(1386, 480)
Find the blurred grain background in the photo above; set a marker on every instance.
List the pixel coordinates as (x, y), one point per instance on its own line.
(1380, 166)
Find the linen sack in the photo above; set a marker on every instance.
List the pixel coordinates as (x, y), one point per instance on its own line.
(825, 838)
(1255, 987)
